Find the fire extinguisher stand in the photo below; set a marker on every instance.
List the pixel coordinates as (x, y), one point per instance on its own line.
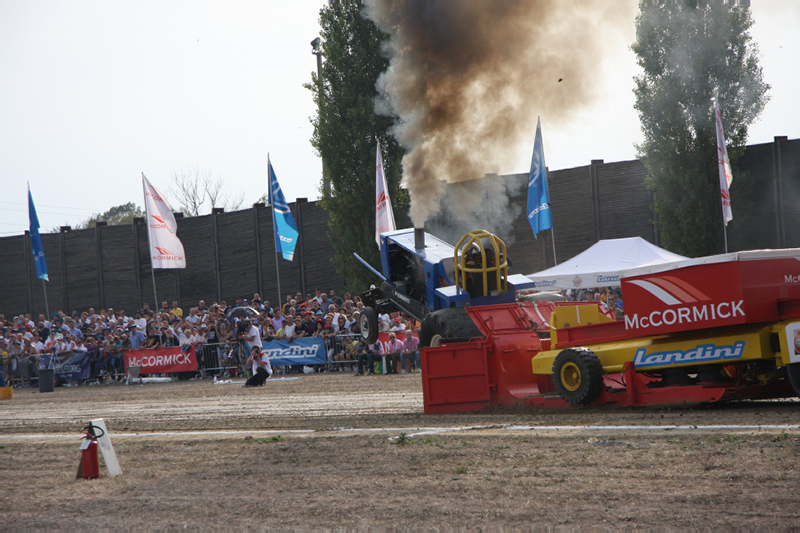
(89, 467)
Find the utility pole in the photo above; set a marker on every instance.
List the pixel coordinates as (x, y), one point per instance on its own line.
(316, 49)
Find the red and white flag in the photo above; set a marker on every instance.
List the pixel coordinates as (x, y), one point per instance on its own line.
(166, 250)
(725, 176)
(384, 217)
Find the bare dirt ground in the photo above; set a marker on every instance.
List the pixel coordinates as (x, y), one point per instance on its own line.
(333, 451)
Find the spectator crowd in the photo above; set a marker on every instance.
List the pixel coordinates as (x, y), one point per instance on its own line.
(218, 330)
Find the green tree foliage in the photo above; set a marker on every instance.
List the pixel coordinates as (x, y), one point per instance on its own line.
(346, 130)
(116, 216)
(690, 51)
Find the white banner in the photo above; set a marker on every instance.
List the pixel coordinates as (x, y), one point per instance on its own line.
(725, 176)
(384, 216)
(166, 250)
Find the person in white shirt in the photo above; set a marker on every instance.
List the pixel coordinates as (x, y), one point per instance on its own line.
(253, 337)
(50, 343)
(290, 329)
(38, 344)
(185, 337)
(398, 325)
(193, 317)
(262, 369)
(140, 321)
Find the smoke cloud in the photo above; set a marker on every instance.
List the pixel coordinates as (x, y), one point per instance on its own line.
(478, 204)
(468, 78)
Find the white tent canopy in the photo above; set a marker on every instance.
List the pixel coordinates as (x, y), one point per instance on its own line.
(601, 264)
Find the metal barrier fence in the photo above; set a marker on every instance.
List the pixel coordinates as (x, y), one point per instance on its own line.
(223, 359)
(229, 359)
(21, 370)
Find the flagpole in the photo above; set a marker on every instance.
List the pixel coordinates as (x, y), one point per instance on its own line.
(152, 270)
(274, 233)
(46, 305)
(725, 233)
(43, 277)
(553, 238)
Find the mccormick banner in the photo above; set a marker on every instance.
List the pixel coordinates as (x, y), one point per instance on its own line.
(285, 229)
(166, 250)
(538, 198)
(69, 366)
(725, 176)
(36, 240)
(162, 360)
(384, 216)
(696, 297)
(303, 351)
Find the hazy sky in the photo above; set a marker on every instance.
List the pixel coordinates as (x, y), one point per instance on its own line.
(94, 93)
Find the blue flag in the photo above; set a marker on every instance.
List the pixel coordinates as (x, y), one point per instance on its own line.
(283, 221)
(539, 214)
(36, 240)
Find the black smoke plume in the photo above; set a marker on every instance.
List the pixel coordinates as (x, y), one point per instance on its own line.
(467, 79)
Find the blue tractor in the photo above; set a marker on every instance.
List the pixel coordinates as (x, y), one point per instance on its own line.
(432, 281)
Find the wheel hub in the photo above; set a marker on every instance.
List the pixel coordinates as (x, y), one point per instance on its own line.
(571, 376)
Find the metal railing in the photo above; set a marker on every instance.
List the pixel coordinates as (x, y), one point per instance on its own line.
(214, 359)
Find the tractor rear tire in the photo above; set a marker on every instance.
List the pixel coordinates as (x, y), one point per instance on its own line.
(578, 375)
(793, 370)
(448, 324)
(368, 322)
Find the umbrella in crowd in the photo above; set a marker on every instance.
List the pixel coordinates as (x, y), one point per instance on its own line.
(242, 312)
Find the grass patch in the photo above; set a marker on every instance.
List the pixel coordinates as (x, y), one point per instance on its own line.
(780, 437)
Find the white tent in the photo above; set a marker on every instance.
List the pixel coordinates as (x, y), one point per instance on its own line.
(601, 264)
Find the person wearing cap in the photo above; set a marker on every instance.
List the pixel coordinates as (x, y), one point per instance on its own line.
(383, 324)
(397, 325)
(136, 337)
(308, 324)
(262, 369)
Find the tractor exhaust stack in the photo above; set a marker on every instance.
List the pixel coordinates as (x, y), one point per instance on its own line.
(419, 238)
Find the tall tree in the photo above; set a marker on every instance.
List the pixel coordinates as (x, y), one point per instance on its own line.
(690, 51)
(117, 215)
(193, 189)
(346, 130)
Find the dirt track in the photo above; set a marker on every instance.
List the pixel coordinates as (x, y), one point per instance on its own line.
(316, 452)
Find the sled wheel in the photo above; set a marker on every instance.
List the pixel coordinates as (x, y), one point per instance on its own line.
(368, 322)
(450, 323)
(578, 375)
(793, 370)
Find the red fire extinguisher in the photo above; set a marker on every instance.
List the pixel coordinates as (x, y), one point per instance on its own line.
(89, 468)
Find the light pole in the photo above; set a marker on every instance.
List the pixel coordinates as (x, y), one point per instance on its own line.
(316, 49)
